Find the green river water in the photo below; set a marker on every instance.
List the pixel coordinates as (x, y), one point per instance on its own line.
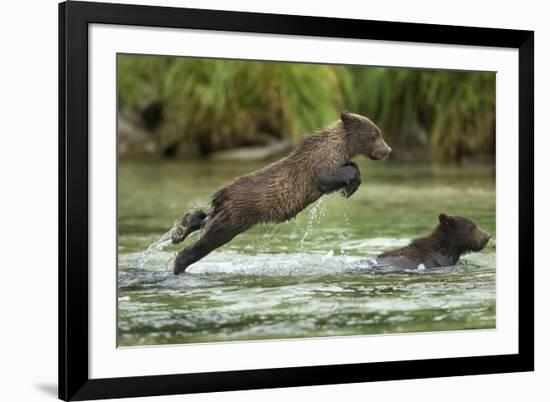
(306, 277)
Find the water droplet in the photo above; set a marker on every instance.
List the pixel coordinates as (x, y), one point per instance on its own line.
(315, 214)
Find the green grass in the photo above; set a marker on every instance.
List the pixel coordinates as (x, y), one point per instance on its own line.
(197, 106)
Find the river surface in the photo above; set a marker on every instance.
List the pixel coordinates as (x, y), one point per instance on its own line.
(306, 277)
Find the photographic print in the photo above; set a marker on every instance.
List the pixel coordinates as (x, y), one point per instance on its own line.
(264, 200)
(253, 201)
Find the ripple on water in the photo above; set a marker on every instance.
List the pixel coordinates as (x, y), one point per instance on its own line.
(235, 296)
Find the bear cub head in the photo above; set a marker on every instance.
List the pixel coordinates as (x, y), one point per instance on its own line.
(461, 234)
(364, 137)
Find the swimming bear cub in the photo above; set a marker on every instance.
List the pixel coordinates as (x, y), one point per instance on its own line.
(454, 236)
(320, 165)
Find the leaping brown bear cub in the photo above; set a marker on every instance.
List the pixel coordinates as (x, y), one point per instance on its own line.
(320, 165)
(453, 237)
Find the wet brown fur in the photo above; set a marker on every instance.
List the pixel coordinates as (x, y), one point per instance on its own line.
(453, 237)
(281, 190)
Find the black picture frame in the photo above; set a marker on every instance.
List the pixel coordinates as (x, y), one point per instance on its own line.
(74, 18)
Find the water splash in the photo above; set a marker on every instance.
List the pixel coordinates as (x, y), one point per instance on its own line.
(294, 226)
(168, 265)
(158, 246)
(154, 248)
(344, 235)
(315, 215)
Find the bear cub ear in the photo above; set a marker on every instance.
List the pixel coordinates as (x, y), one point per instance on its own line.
(445, 219)
(347, 117)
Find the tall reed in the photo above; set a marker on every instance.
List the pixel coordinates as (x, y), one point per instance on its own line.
(198, 106)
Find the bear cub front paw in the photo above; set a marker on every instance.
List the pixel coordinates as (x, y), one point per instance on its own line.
(354, 182)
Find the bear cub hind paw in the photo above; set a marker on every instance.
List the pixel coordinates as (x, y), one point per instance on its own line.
(186, 225)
